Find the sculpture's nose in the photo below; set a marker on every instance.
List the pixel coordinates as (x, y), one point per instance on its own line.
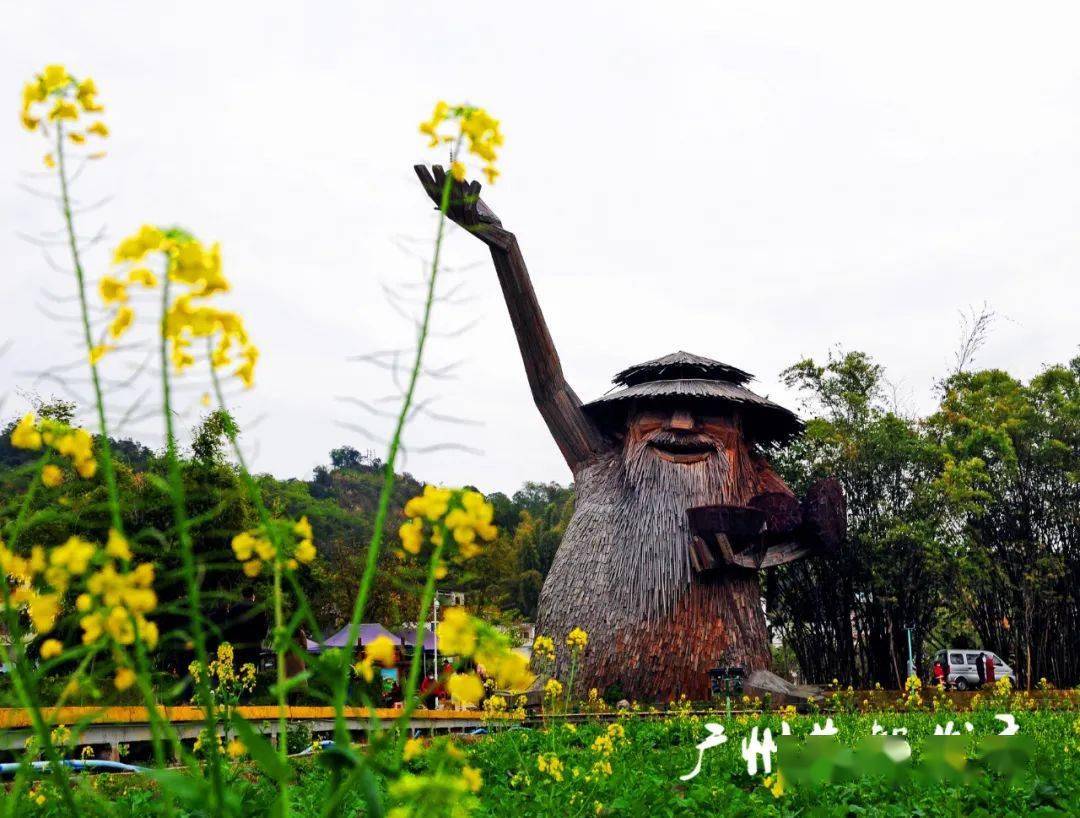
(682, 420)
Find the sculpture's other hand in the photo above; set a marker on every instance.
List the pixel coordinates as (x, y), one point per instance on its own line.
(465, 208)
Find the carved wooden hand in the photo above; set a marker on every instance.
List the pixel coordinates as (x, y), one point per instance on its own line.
(465, 207)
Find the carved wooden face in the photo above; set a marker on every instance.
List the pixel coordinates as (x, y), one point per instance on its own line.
(681, 435)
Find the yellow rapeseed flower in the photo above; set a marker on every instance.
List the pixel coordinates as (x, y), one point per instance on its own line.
(465, 688)
(472, 778)
(236, 748)
(112, 290)
(135, 247)
(25, 435)
(43, 610)
(52, 476)
(365, 670)
(121, 322)
(86, 94)
(544, 647)
(553, 689)
(77, 138)
(252, 568)
(305, 551)
(243, 546)
(413, 748)
(125, 678)
(476, 127)
(54, 76)
(456, 633)
(62, 109)
(51, 648)
(551, 764)
(143, 276)
(49, 161)
(117, 546)
(98, 352)
(265, 549)
(302, 528)
(381, 650)
(86, 468)
(603, 745)
(412, 535)
(577, 639)
(98, 129)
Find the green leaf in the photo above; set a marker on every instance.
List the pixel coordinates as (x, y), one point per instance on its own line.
(188, 789)
(160, 483)
(291, 682)
(260, 750)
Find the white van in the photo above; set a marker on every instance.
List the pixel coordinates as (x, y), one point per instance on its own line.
(960, 669)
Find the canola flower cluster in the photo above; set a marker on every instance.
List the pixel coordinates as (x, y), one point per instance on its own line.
(466, 637)
(379, 651)
(75, 444)
(222, 672)
(457, 520)
(577, 639)
(54, 95)
(913, 692)
(253, 548)
(544, 648)
(500, 706)
(116, 595)
(550, 764)
(603, 746)
(446, 788)
(475, 126)
(187, 261)
(424, 793)
(553, 689)
(113, 604)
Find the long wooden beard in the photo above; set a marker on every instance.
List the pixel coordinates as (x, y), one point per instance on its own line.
(650, 563)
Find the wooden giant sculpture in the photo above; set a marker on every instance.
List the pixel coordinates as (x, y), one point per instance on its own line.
(676, 506)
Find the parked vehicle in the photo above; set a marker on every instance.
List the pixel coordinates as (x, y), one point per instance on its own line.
(961, 671)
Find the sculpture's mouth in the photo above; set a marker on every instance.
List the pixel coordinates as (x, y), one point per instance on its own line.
(677, 448)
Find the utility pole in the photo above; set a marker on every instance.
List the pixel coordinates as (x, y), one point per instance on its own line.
(434, 629)
(910, 653)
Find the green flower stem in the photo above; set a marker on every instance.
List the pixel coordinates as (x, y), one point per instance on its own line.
(280, 639)
(409, 693)
(280, 636)
(16, 657)
(107, 466)
(187, 553)
(341, 733)
(412, 701)
(570, 681)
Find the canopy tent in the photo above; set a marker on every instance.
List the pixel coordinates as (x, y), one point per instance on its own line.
(368, 632)
(408, 638)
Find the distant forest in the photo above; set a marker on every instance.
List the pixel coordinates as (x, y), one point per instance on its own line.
(963, 524)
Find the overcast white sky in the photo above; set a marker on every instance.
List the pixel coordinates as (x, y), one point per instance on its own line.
(752, 182)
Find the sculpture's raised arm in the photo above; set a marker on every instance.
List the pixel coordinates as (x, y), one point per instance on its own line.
(577, 436)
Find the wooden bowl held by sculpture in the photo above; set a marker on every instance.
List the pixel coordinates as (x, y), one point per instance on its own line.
(726, 535)
(773, 529)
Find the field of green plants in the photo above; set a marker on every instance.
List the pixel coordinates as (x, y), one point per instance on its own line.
(632, 766)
